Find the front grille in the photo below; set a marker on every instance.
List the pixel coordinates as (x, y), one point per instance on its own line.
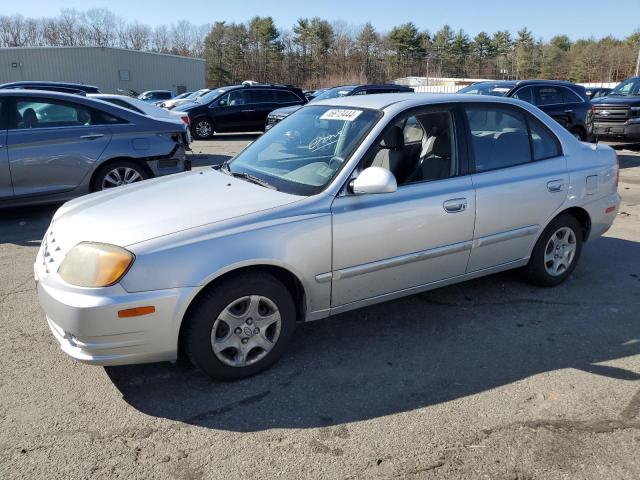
(51, 252)
(611, 114)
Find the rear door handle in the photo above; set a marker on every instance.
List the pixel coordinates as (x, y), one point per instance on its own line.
(92, 136)
(555, 186)
(455, 205)
(246, 111)
(568, 111)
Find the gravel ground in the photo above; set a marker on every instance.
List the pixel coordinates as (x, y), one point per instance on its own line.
(492, 378)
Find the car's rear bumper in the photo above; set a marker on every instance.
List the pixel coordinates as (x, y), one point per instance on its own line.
(622, 131)
(602, 213)
(86, 324)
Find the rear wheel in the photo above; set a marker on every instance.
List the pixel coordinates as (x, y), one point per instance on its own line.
(556, 252)
(240, 327)
(202, 129)
(118, 173)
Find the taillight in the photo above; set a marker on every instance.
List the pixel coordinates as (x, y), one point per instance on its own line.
(185, 119)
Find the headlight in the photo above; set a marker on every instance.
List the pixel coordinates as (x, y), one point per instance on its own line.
(91, 264)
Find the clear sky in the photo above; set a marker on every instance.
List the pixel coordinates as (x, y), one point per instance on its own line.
(546, 18)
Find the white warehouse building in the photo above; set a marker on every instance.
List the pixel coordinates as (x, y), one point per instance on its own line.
(110, 69)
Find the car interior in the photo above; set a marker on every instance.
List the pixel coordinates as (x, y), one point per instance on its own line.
(418, 148)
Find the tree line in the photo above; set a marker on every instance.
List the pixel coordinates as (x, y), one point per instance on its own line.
(315, 52)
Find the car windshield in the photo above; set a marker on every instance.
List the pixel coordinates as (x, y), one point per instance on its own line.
(486, 89)
(210, 95)
(627, 88)
(334, 93)
(304, 152)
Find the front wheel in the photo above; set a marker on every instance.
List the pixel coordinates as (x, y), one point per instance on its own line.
(240, 327)
(556, 252)
(202, 129)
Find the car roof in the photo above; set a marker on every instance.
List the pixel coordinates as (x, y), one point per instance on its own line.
(44, 83)
(401, 101)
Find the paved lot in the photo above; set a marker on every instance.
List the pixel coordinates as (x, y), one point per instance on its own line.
(489, 379)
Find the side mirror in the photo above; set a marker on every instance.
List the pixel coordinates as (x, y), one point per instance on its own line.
(374, 180)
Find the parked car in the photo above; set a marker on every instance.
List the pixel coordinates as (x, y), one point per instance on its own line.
(565, 102)
(597, 92)
(350, 202)
(617, 116)
(177, 97)
(155, 95)
(174, 102)
(336, 92)
(239, 108)
(58, 146)
(64, 87)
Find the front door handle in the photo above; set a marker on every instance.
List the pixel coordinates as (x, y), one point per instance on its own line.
(568, 111)
(247, 111)
(555, 186)
(455, 205)
(92, 136)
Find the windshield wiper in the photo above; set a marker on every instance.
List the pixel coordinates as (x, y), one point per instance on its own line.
(224, 167)
(252, 179)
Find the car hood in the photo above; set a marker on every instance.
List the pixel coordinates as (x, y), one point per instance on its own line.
(617, 100)
(285, 111)
(153, 208)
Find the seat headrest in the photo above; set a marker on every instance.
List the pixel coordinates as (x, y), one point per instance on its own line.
(442, 146)
(394, 138)
(30, 118)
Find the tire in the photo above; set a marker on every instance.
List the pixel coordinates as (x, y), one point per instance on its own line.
(578, 133)
(120, 172)
(552, 262)
(202, 129)
(224, 318)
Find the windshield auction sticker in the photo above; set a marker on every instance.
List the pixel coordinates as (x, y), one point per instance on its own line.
(340, 114)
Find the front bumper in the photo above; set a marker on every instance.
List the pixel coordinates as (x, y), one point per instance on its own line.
(621, 131)
(86, 324)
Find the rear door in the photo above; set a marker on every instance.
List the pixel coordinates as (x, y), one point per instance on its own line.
(52, 144)
(550, 99)
(263, 102)
(521, 180)
(6, 189)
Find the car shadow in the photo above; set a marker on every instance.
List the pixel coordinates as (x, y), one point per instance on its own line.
(419, 351)
(25, 226)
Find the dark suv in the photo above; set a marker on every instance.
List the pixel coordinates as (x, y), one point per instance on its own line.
(63, 87)
(617, 116)
(566, 102)
(335, 92)
(239, 108)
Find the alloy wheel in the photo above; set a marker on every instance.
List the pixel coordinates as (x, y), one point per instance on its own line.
(120, 176)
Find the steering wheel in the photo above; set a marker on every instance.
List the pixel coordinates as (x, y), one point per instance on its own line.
(335, 163)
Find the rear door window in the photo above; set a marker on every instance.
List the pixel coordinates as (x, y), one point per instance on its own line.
(500, 137)
(570, 96)
(287, 97)
(549, 96)
(262, 96)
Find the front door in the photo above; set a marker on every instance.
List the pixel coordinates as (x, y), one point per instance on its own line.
(385, 243)
(52, 145)
(520, 180)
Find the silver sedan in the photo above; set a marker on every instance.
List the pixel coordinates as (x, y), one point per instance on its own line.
(347, 203)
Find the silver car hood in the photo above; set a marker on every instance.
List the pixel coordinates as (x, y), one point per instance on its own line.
(153, 208)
